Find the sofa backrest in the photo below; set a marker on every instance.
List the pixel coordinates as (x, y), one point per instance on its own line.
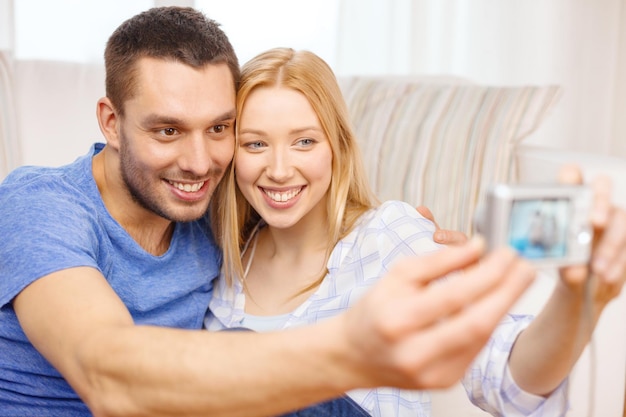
(56, 109)
(442, 142)
(432, 140)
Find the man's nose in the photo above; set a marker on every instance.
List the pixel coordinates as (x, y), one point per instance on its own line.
(195, 154)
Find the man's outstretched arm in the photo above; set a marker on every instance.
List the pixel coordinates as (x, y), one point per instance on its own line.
(404, 332)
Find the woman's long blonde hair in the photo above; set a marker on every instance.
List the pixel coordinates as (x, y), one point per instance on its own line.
(350, 193)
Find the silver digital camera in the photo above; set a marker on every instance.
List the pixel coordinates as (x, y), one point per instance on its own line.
(547, 224)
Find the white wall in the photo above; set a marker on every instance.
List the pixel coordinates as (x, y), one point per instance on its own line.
(580, 45)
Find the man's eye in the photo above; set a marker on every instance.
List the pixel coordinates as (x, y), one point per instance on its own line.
(169, 131)
(218, 128)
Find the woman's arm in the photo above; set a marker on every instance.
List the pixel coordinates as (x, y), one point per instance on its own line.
(546, 351)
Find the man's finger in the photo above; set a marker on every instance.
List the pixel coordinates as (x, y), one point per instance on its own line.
(426, 268)
(449, 237)
(425, 211)
(466, 331)
(476, 282)
(441, 236)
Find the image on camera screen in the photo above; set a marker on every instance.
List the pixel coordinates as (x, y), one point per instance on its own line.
(538, 227)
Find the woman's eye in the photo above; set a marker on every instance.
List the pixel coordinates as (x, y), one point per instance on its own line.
(254, 145)
(306, 142)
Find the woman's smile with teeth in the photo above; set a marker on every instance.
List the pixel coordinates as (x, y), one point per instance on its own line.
(188, 188)
(282, 196)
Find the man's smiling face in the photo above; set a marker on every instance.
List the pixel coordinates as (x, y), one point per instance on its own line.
(177, 136)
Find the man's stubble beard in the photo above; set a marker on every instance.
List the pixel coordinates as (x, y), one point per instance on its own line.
(137, 185)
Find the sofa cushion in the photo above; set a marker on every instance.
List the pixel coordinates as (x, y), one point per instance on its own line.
(442, 142)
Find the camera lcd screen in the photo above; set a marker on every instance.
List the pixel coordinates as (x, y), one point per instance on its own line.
(538, 227)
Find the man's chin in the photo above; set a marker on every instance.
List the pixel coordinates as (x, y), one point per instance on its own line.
(184, 216)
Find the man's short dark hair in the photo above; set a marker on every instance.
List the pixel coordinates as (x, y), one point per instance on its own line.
(180, 34)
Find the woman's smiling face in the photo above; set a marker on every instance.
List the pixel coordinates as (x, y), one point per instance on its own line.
(283, 164)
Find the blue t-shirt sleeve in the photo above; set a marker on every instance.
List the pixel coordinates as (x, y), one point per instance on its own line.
(45, 226)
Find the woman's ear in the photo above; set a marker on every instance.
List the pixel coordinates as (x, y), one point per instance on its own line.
(108, 120)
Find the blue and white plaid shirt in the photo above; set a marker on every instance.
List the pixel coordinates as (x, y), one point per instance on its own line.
(384, 235)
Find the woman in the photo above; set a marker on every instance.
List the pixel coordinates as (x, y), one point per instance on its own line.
(304, 238)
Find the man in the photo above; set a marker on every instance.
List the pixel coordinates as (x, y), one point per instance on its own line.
(106, 265)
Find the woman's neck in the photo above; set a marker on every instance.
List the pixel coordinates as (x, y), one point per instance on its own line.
(286, 269)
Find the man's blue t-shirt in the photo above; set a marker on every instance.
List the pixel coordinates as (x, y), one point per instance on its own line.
(54, 218)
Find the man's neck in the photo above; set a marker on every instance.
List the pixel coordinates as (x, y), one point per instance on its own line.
(152, 232)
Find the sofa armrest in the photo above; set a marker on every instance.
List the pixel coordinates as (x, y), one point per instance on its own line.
(10, 151)
(537, 164)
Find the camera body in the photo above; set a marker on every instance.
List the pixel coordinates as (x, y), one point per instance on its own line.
(547, 224)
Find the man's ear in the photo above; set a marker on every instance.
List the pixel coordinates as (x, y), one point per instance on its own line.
(108, 120)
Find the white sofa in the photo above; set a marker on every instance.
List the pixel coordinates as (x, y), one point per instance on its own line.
(440, 142)
(433, 141)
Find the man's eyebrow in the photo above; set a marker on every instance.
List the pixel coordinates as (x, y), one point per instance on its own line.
(229, 115)
(158, 119)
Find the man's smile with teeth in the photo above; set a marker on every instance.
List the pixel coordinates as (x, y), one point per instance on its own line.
(282, 196)
(188, 188)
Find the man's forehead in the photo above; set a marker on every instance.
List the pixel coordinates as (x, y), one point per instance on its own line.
(160, 76)
(172, 89)
(147, 65)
